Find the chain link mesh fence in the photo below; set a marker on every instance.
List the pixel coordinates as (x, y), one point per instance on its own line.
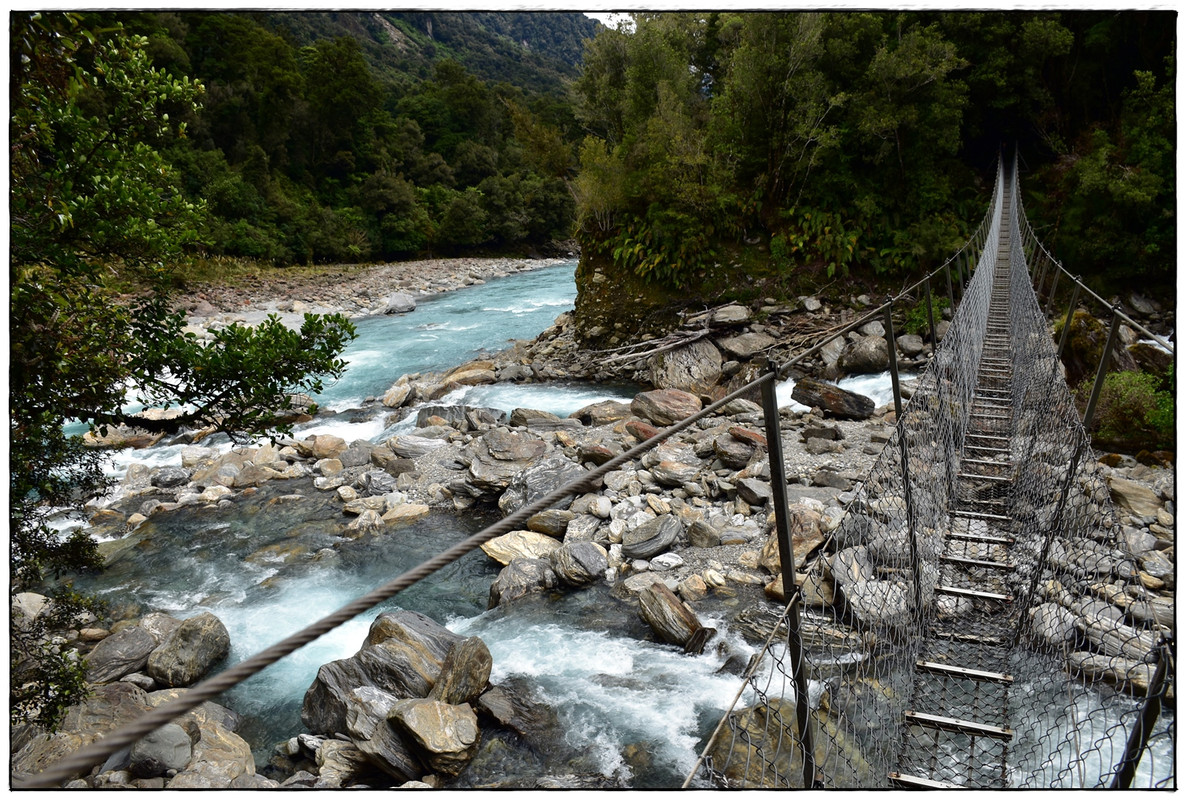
(976, 620)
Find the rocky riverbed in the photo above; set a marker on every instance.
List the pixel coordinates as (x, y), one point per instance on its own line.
(685, 523)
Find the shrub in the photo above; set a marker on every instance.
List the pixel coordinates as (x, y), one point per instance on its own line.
(1132, 411)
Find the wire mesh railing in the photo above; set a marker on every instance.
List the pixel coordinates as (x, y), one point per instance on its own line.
(977, 620)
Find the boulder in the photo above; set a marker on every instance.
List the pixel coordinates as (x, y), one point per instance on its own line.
(167, 748)
(399, 303)
(326, 445)
(1136, 497)
(510, 705)
(520, 544)
(651, 538)
(120, 654)
(733, 453)
(367, 709)
(398, 394)
(603, 413)
(672, 619)
(806, 537)
(832, 399)
(911, 344)
(444, 736)
(539, 480)
(1150, 358)
(464, 674)
(732, 314)
(663, 407)
(1085, 345)
(191, 650)
(220, 757)
(542, 421)
(408, 446)
(402, 656)
(108, 707)
(746, 345)
(674, 473)
(521, 577)
(340, 764)
(694, 368)
(579, 563)
(498, 455)
(754, 491)
(867, 355)
(169, 477)
(551, 521)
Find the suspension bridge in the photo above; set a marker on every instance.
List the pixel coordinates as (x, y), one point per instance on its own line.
(984, 518)
(981, 633)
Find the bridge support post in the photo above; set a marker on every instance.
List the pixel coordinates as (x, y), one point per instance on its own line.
(931, 317)
(959, 272)
(893, 359)
(1139, 737)
(950, 290)
(1066, 326)
(782, 524)
(1105, 359)
(1053, 289)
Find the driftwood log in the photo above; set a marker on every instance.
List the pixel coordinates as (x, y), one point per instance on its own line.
(832, 399)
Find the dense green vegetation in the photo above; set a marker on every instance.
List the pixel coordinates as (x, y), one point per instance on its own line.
(862, 141)
(350, 136)
(94, 205)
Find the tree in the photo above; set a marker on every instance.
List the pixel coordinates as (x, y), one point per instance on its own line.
(95, 209)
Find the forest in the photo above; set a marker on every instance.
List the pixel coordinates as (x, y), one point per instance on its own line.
(844, 140)
(862, 141)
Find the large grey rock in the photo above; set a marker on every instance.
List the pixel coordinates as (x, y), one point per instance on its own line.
(520, 544)
(168, 477)
(833, 400)
(746, 345)
(521, 577)
(408, 446)
(911, 344)
(867, 355)
(220, 757)
(120, 654)
(499, 455)
(1136, 497)
(167, 748)
(552, 521)
(367, 708)
(694, 368)
(651, 538)
(402, 656)
(510, 705)
(399, 303)
(665, 406)
(732, 452)
(190, 652)
(602, 413)
(670, 618)
(357, 454)
(464, 673)
(753, 491)
(536, 420)
(579, 563)
(444, 736)
(109, 706)
(539, 480)
(673, 473)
